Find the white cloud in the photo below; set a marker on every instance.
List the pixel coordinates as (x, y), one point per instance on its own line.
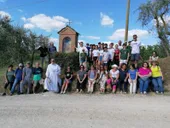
(24, 19)
(166, 19)
(52, 39)
(120, 33)
(20, 10)
(29, 26)
(46, 22)
(2, 1)
(2, 14)
(106, 20)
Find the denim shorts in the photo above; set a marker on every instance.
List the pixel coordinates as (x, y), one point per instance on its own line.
(135, 57)
(100, 58)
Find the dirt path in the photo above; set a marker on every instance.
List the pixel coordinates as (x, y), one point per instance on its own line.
(84, 111)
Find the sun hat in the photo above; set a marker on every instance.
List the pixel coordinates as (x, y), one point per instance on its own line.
(114, 66)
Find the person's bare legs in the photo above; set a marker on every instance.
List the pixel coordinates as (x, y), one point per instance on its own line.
(62, 89)
(66, 86)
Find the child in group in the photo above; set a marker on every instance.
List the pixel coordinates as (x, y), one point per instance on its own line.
(108, 83)
(67, 81)
(133, 75)
(92, 76)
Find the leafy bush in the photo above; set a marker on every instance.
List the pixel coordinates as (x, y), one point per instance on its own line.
(68, 59)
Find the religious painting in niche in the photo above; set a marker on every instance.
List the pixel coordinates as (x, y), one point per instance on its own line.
(66, 44)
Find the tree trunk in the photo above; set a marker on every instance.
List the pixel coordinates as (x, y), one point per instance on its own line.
(162, 37)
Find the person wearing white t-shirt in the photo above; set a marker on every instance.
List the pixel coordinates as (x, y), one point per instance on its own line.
(120, 47)
(111, 51)
(100, 55)
(80, 50)
(135, 53)
(114, 75)
(95, 54)
(105, 58)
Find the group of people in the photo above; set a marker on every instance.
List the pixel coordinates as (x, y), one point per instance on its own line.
(111, 64)
(21, 77)
(102, 54)
(111, 68)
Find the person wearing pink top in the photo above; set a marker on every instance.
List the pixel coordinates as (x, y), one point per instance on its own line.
(144, 74)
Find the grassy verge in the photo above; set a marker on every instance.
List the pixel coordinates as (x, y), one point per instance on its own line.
(2, 72)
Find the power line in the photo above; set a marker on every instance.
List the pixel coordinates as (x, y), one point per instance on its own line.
(23, 5)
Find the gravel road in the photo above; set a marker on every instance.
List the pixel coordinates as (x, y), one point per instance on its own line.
(51, 110)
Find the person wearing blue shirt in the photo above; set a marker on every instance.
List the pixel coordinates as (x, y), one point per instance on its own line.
(52, 50)
(133, 75)
(18, 78)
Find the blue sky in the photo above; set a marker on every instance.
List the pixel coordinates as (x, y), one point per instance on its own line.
(95, 20)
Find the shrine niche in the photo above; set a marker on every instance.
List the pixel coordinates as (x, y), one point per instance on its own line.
(68, 39)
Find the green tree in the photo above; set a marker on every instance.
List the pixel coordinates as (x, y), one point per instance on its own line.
(17, 44)
(156, 11)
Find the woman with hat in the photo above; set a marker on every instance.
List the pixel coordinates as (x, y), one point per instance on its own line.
(114, 75)
(157, 77)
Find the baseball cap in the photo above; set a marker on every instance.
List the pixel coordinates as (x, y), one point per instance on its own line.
(20, 65)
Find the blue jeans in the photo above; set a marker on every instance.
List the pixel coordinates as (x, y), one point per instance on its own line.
(143, 85)
(16, 81)
(157, 82)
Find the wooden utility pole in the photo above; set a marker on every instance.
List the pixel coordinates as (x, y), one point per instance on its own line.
(127, 20)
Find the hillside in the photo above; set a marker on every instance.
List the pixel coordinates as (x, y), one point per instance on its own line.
(165, 66)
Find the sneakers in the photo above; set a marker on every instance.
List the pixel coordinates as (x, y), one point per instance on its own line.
(4, 94)
(81, 91)
(61, 92)
(64, 92)
(77, 91)
(145, 92)
(157, 92)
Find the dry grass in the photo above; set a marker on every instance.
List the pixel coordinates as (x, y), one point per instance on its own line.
(165, 66)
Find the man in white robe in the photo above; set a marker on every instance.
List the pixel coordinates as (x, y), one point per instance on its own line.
(52, 80)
